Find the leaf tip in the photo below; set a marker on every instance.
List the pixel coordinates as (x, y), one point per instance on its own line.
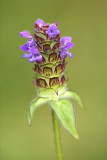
(76, 136)
(29, 122)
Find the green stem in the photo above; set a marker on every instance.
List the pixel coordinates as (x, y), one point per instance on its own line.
(57, 136)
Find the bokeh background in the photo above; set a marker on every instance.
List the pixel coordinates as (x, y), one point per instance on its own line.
(86, 22)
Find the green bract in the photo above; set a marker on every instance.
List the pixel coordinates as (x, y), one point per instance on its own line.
(35, 103)
(72, 95)
(65, 113)
(61, 106)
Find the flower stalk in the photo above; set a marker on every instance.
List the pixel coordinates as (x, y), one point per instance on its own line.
(57, 136)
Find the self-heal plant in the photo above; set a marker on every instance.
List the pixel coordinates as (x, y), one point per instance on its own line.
(48, 53)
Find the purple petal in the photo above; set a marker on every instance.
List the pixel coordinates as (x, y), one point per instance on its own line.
(39, 58)
(32, 59)
(33, 50)
(56, 23)
(25, 34)
(30, 55)
(24, 47)
(69, 45)
(52, 35)
(31, 42)
(64, 40)
(39, 22)
(56, 32)
(52, 31)
(63, 53)
(52, 28)
(35, 30)
(70, 55)
(24, 55)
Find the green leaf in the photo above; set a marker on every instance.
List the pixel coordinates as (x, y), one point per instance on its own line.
(65, 113)
(61, 89)
(48, 93)
(72, 95)
(35, 103)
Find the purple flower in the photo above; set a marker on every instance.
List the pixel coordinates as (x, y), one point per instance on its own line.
(34, 58)
(40, 22)
(52, 31)
(69, 45)
(25, 34)
(24, 47)
(33, 55)
(35, 30)
(65, 44)
(31, 46)
(31, 42)
(39, 58)
(33, 50)
(70, 55)
(65, 40)
(64, 52)
(25, 55)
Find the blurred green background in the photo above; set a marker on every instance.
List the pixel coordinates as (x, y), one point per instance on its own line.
(86, 22)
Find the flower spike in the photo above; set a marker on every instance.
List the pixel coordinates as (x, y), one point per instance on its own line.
(48, 53)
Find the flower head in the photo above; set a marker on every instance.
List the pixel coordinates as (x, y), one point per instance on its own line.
(46, 40)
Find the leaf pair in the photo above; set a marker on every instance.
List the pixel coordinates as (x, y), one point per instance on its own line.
(62, 107)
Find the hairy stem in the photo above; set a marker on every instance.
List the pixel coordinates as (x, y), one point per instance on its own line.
(57, 136)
